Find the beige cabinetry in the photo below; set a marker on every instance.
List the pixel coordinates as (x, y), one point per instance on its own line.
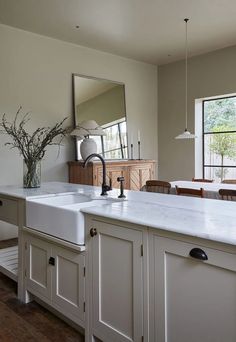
(192, 299)
(115, 287)
(9, 256)
(12, 210)
(56, 275)
(135, 172)
(9, 210)
(164, 288)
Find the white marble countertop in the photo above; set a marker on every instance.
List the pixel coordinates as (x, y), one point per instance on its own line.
(46, 189)
(205, 218)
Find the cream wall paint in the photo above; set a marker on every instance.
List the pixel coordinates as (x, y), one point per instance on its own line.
(209, 75)
(36, 73)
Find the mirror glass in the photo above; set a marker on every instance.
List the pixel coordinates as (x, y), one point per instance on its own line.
(102, 101)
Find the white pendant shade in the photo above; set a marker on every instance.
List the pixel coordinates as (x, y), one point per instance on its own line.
(186, 134)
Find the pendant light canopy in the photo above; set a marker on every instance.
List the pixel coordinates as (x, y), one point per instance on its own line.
(186, 134)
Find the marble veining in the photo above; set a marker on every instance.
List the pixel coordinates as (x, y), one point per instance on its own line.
(205, 218)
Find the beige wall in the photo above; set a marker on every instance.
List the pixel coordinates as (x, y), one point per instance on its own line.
(36, 73)
(209, 75)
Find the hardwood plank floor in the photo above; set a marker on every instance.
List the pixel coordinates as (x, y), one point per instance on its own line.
(29, 322)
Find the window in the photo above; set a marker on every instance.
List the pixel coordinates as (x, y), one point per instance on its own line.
(219, 138)
(114, 145)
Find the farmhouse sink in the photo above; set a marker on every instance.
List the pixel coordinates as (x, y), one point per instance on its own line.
(65, 199)
(60, 215)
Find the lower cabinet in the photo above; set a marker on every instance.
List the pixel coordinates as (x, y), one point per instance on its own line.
(193, 297)
(56, 275)
(140, 286)
(116, 283)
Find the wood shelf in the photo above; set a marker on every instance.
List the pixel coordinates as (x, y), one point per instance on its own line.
(9, 262)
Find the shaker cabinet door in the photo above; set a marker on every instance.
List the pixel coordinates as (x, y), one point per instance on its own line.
(68, 283)
(38, 272)
(195, 293)
(56, 275)
(117, 284)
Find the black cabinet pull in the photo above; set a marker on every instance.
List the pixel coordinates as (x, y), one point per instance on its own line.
(198, 253)
(51, 261)
(1, 203)
(93, 232)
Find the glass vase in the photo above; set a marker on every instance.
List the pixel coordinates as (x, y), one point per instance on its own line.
(31, 174)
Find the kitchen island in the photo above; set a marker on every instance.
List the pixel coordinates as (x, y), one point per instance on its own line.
(159, 268)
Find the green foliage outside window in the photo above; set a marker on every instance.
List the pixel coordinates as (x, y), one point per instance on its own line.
(219, 118)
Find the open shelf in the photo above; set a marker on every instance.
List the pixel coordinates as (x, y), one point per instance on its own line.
(9, 262)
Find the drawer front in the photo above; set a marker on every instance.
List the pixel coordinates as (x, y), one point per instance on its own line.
(8, 210)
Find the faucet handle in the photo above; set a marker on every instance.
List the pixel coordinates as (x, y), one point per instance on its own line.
(110, 183)
(121, 180)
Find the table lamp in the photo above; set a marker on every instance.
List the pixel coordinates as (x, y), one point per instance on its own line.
(82, 131)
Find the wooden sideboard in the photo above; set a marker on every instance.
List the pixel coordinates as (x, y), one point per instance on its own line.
(135, 172)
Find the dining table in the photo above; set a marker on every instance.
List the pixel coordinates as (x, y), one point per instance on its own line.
(211, 190)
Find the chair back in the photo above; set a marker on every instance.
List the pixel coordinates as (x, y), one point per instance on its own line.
(203, 180)
(229, 181)
(158, 186)
(227, 194)
(189, 192)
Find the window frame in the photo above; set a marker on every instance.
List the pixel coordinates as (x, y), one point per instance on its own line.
(206, 133)
(121, 147)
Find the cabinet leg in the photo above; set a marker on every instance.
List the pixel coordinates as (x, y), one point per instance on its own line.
(91, 338)
(24, 295)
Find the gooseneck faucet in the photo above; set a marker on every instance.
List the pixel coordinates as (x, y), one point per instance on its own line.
(105, 187)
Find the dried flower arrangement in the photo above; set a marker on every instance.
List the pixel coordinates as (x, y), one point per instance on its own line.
(31, 146)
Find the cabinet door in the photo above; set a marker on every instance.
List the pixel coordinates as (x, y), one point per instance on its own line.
(38, 274)
(68, 283)
(139, 174)
(194, 300)
(117, 284)
(112, 173)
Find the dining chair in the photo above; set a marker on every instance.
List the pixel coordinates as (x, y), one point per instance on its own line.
(203, 180)
(229, 181)
(189, 192)
(227, 194)
(158, 186)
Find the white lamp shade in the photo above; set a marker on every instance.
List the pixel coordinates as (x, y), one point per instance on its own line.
(186, 135)
(85, 128)
(87, 147)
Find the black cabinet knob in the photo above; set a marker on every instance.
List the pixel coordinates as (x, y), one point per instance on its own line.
(51, 261)
(93, 232)
(198, 253)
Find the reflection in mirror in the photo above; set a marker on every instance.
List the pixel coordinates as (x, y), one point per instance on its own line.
(104, 102)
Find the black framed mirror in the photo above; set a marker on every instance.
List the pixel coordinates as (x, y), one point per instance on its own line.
(103, 101)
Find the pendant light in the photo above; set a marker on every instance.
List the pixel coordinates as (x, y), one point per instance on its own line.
(186, 134)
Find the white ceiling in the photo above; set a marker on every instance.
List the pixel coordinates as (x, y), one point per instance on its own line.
(152, 31)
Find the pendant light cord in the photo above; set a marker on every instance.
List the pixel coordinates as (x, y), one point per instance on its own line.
(186, 73)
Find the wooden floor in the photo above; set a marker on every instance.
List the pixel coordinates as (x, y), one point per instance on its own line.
(29, 322)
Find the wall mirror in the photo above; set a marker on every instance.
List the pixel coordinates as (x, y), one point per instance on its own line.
(102, 101)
